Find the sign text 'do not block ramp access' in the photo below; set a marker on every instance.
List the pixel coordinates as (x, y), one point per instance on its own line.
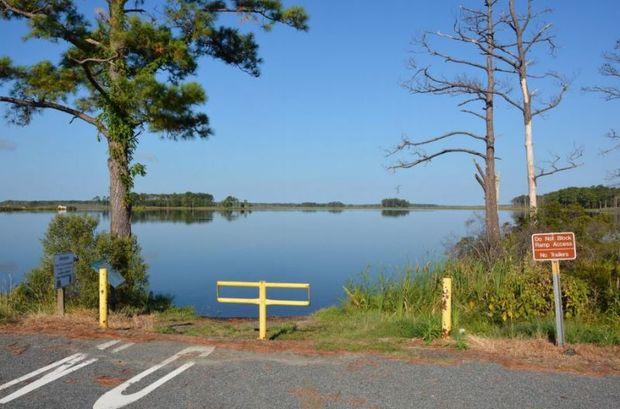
(554, 246)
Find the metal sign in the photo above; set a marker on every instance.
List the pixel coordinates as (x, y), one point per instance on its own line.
(64, 269)
(115, 278)
(554, 246)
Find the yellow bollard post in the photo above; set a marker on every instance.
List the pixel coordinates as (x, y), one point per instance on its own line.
(446, 302)
(262, 310)
(103, 298)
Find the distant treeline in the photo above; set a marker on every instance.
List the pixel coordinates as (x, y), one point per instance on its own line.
(187, 199)
(394, 202)
(302, 204)
(9, 205)
(402, 203)
(593, 197)
(190, 200)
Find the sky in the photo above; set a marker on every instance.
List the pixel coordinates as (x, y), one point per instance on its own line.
(316, 125)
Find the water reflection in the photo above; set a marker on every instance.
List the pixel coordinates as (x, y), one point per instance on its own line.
(191, 216)
(394, 213)
(185, 216)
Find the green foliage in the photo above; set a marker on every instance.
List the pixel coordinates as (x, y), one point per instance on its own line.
(394, 202)
(77, 234)
(529, 295)
(315, 204)
(230, 202)
(591, 197)
(187, 199)
(598, 248)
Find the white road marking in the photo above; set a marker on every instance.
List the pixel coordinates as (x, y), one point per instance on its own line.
(63, 367)
(122, 347)
(107, 344)
(115, 399)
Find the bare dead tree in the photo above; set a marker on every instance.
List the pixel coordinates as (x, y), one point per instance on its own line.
(476, 87)
(514, 56)
(614, 175)
(615, 140)
(611, 92)
(611, 69)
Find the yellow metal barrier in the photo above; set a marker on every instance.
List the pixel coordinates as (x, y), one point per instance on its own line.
(103, 298)
(446, 301)
(262, 301)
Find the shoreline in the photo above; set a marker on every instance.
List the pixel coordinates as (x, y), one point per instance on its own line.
(104, 208)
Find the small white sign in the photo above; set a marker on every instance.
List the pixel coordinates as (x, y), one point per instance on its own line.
(64, 269)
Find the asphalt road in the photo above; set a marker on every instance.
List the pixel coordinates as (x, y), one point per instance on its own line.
(45, 372)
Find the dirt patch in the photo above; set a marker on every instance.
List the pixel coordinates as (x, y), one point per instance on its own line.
(109, 381)
(17, 349)
(361, 363)
(526, 354)
(540, 354)
(312, 398)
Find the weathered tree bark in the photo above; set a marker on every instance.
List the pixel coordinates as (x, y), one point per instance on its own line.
(526, 109)
(120, 208)
(118, 158)
(490, 191)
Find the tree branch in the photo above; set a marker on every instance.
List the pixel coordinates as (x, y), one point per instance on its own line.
(94, 82)
(476, 114)
(424, 157)
(58, 107)
(572, 163)
(480, 176)
(615, 138)
(553, 103)
(65, 33)
(406, 143)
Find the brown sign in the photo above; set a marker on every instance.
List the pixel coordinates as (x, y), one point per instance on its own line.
(554, 246)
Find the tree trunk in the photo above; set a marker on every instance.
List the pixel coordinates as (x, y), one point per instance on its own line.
(490, 192)
(120, 208)
(527, 111)
(529, 145)
(118, 154)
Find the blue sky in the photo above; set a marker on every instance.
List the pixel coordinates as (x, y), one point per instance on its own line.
(316, 124)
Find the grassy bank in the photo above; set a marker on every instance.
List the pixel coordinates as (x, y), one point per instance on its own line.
(384, 314)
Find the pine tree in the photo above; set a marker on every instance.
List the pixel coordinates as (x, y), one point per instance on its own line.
(125, 71)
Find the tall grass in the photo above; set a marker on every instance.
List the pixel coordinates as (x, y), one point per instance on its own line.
(412, 291)
(506, 298)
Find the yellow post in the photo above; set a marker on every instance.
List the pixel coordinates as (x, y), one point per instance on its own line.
(446, 301)
(103, 298)
(262, 310)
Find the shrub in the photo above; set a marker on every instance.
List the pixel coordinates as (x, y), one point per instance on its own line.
(77, 234)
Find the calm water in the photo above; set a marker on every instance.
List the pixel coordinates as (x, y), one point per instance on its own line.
(188, 252)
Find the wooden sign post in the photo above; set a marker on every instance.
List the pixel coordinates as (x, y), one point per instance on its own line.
(555, 247)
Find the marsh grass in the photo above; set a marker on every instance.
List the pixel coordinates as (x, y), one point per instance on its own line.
(506, 299)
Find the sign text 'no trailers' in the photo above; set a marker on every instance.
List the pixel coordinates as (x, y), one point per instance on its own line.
(554, 246)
